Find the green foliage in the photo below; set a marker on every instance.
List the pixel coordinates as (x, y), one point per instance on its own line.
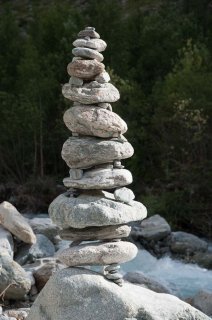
(159, 57)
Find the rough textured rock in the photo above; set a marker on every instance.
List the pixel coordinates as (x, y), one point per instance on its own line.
(97, 209)
(204, 259)
(95, 233)
(42, 248)
(88, 33)
(154, 228)
(43, 273)
(97, 44)
(186, 243)
(100, 179)
(102, 253)
(16, 314)
(44, 226)
(85, 69)
(6, 242)
(13, 221)
(146, 282)
(203, 301)
(103, 77)
(82, 153)
(88, 95)
(88, 53)
(124, 194)
(94, 121)
(74, 81)
(14, 278)
(77, 293)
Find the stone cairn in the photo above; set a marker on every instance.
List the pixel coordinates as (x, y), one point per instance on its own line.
(86, 212)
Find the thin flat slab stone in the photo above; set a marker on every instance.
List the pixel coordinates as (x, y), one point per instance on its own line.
(87, 95)
(85, 152)
(88, 53)
(100, 179)
(95, 233)
(93, 209)
(85, 69)
(98, 253)
(88, 33)
(97, 44)
(94, 121)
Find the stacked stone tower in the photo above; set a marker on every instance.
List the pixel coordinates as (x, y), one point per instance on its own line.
(93, 153)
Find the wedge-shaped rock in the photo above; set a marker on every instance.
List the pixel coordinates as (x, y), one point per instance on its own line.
(101, 179)
(85, 69)
(94, 121)
(97, 208)
(88, 53)
(97, 44)
(95, 233)
(82, 153)
(105, 92)
(102, 253)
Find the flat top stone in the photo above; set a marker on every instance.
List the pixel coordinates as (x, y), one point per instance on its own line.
(87, 53)
(85, 152)
(97, 44)
(97, 208)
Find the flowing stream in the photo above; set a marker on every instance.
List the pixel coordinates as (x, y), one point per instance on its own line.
(184, 280)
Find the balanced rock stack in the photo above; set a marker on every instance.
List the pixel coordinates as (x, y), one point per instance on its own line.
(93, 153)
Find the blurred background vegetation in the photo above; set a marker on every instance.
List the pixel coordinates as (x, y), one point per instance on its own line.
(159, 56)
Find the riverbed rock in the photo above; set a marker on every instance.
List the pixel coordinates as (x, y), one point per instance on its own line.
(93, 209)
(89, 95)
(95, 233)
(85, 152)
(91, 33)
(14, 278)
(88, 53)
(124, 195)
(100, 179)
(85, 69)
(97, 44)
(13, 221)
(77, 293)
(99, 253)
(138, 277)
(203, 301)
(186, 243)
(6, 242)
(29, 253)
(204, 259)
(45, 226)
(154, 228)
(94, 121)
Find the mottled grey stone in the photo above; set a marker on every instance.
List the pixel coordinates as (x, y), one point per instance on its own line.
(93, 209)
(187, 243)
(45, 226)
(85, 69)
(76, 81)
(88, 53)
(77, 293)
(99, 253)
(86, 95)
(85, 152)
(76, 174)
(6, 242)
(97, 44)
(203, 301)
(88, 33)
(103, 77)
(95, 233)
(124, 194)
(94, 121)
(100, 179)
(154, 228)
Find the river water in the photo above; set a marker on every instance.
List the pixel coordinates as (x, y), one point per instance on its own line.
(184, 280)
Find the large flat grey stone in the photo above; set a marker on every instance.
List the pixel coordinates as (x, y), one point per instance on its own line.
(100, 179)
(85, 152)
(94, 121)
(187, 243)
(95, 209)
(77, 293)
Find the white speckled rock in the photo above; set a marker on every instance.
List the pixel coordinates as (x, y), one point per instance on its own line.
(124, 195)
(94, 121)
(13, 221)
(103, 77)
(102, 253)
(93, 209)
(86, 95)
(100, 179)
(85, 69)
(97, 44)
(80, 294)
(85, 152)
(88, 53)
(96, 233)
